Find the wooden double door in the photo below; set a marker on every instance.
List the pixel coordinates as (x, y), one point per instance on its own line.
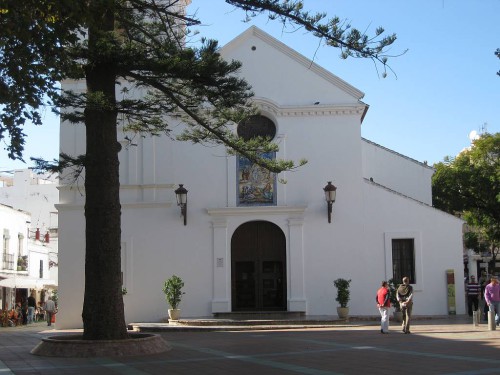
(258, 267)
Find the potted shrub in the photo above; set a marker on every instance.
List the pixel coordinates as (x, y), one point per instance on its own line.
(22, 263)
(173, 294)
(343, 296)
(393, 287)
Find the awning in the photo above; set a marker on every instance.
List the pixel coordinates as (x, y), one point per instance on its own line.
(26, 282)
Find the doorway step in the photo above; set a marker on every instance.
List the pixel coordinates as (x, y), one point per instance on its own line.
(241, 322)
(260, 315)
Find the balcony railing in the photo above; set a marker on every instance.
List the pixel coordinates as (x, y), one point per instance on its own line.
(8, 261)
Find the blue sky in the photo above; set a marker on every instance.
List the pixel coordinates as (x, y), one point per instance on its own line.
(446, 84)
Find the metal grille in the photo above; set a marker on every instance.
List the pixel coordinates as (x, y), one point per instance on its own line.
(403, 259)
(8, 261)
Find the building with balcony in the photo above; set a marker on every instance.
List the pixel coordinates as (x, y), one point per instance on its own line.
(30, 235)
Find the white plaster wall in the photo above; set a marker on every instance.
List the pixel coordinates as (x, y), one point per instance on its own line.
(439, 247)
(71, 266)
(34, 194)
(37, 253)
(397, 172)
(15, 222)
(156, 244)
(288, 77)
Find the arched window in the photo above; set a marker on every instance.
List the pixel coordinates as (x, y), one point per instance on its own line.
(256, 126)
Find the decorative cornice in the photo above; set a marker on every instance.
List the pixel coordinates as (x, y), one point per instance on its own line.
(265, 104)
(125, 205)
(122, 187)
(296, 222)
(147, 186)
(219, 222)
(257, 210)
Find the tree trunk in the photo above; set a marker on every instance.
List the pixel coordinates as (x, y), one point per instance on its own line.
(103, 313)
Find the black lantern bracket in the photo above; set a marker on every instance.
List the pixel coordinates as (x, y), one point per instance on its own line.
(330, 195)
(181, 195)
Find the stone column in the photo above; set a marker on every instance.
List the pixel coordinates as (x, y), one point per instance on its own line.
(221, 267)
(296, 297)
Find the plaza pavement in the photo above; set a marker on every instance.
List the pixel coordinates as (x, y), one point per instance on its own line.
(437, 346)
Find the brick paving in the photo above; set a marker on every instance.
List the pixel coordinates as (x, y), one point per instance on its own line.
(440, 346)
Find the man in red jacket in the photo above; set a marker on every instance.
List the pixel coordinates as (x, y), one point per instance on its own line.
(383, 304)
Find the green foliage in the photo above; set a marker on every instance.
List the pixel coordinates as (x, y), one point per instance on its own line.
(469, 186)
(393, 287)
(343, 292)
(336, 32)
(41, 43)
(497, 54)
(144, 46)
(173, 291)
(34, 35)
(22, 263)
(55, 296)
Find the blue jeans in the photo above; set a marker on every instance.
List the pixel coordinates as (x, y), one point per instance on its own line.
(494, 307)
(31, 314)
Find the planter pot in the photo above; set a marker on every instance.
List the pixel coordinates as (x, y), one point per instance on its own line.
(343, 312)
(174, 314)
(398, 316)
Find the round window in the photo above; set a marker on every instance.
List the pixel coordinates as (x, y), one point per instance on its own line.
(256, 126)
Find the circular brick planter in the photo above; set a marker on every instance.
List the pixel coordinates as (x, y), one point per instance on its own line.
(73, 346)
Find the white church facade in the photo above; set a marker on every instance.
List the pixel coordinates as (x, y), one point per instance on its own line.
(252, 243)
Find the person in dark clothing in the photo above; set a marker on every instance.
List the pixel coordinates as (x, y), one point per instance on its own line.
(473, 295)
(24, 307)
(404, 295)
(31, 307)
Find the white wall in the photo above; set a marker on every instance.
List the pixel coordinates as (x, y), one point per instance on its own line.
(13, 224)
(156, 244)
(397, 172)
(438, 246)
(34, 194)
(14, 221)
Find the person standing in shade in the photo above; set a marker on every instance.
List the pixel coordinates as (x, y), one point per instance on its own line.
(492, 297)
(50, 308)
(404, 294)
(473, 295)
(383, 304)
(31, 307)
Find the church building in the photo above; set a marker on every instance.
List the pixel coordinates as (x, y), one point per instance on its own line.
(254, 241)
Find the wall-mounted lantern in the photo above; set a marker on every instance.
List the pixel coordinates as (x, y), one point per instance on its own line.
(330, 194)
(181, 195)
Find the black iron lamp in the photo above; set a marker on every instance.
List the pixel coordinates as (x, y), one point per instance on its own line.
(330, 194)
(181, 195)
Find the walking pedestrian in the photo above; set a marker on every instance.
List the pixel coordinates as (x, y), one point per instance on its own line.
(404, 295)
(492, 297)
(50, 309)
(383, 304)
(473, 295)
(31, 307)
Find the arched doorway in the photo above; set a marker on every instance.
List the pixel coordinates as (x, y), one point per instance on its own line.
(258, 267)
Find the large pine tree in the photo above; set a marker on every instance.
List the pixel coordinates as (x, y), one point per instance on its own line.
(139, 43)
